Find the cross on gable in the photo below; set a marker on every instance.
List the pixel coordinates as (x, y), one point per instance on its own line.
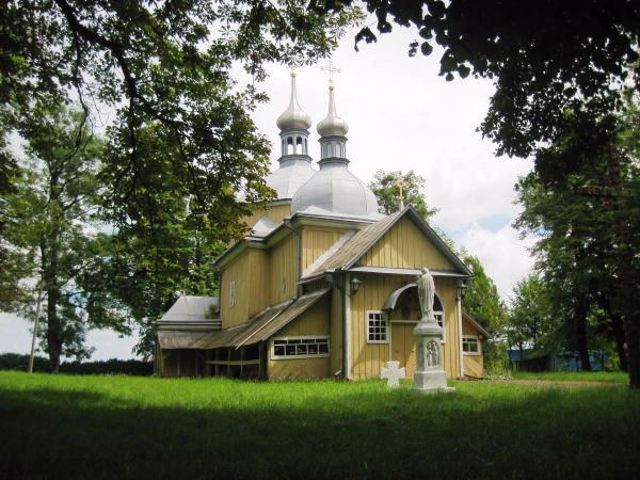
(393, 373)
(331, 69)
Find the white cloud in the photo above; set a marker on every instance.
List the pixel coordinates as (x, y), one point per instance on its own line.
(504, 256)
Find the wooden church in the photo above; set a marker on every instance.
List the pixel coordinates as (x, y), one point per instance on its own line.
(322, 286)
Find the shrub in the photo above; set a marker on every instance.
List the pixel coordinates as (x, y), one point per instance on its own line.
(16, 361)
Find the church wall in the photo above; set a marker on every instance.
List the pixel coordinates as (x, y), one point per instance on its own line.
(237, 271)
(275, 212)
(473, 364)
(258, 277)
(313, 322)
(405, 246)
(316, 241)
(337, 334)
(367, 358)
(283, 271)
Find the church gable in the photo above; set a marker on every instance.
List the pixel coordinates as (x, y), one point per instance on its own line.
(405, 245)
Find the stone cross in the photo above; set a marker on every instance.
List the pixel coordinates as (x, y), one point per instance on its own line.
(393, 373)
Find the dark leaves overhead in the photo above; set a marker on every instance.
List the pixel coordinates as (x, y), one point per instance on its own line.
(545, 56)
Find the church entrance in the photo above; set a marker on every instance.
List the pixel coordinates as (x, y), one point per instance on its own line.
(403, 345)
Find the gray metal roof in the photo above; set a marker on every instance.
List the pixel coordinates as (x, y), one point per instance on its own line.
(291, 175)
(259, 328)
(335, 189)
(355, 247)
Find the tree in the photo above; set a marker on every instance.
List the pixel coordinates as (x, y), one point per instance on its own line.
(395, 188)
(164, 63)
(169, 250)
(49, 233)
(481, 299)
(530, 319)
(587, 259)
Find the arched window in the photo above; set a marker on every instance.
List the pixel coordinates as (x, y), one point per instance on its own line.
(299, 145)
(290, 146)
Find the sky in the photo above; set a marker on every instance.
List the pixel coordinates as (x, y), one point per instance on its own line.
(402, 115)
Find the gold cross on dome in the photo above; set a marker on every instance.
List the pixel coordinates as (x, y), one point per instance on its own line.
(331, 69)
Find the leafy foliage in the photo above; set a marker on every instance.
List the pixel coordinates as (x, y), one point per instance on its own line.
(481, 300)
(392, 188)
(544, 57)
(531, 320)
(587, 258)
(50, 235)
(165, 66)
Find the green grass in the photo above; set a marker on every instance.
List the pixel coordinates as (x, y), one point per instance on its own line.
(123, 427)
(607, 377)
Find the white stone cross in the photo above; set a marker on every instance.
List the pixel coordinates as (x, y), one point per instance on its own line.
(393, 373)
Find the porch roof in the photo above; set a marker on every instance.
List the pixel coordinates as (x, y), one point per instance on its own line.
(262, 326)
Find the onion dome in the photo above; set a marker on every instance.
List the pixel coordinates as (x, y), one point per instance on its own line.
(336, 190)
(332, 124)
(294, 117)
(290, 176)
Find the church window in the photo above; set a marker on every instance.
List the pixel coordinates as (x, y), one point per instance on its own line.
(470, 345)
(377, 327)
(438, 313)
(287, 347)
(232, 293)
(299, 145)
(290, 146)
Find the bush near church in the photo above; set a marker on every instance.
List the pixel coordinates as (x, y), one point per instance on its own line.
(16, 361)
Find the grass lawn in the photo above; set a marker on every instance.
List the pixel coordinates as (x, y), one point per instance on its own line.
(125, 427)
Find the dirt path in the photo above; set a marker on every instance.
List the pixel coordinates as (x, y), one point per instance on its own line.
(558, 383)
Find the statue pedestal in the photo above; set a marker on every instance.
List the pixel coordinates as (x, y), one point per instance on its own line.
(430, 376)
(431, 381)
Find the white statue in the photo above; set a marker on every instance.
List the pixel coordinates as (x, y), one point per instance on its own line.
(426, 293)
(430, 375)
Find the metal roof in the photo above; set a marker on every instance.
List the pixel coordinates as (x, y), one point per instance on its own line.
(293, 172)
(352, 250)
(262, 326)
(335, 189)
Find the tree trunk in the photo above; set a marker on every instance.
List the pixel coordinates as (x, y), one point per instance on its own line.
(627, 282)
(580, 322)
(618, 335)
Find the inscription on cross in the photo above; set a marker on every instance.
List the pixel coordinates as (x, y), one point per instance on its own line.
(393, 373)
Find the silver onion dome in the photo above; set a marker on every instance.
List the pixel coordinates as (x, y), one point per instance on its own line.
(290, 176)
(335, 189)
(294, 117)
(332, 124)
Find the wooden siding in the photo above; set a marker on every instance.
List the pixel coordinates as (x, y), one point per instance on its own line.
(284, 271)
(405, 246)
(368, 358)
(275, 212)
(316, 241)
(259, 297)
(238, 271)
(473, 364)
(313, 322)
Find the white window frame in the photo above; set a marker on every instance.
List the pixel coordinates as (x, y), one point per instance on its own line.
(384, 315)
(273, 355)
(472, 337)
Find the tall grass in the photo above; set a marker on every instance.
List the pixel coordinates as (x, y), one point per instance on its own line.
(123, 427)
